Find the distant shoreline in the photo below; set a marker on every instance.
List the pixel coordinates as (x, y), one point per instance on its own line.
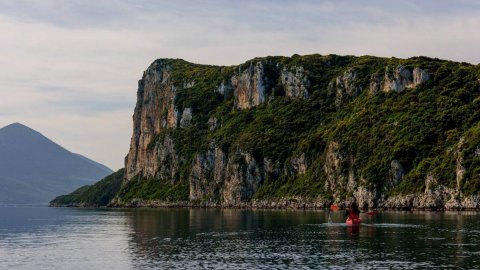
(24, 205)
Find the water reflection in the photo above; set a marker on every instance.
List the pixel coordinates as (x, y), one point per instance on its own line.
(192, 238)
(224, 236)
(234, 239)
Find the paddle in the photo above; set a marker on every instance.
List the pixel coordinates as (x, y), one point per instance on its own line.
(329, 219)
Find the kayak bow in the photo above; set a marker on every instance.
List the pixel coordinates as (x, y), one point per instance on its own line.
(353, 222)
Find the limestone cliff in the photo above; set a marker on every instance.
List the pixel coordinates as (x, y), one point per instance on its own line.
(306, 131)
(249, 86)
(155, 111)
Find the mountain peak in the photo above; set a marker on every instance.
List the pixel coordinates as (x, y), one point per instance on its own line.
(18, 132)
(16, 125)
(18, 128)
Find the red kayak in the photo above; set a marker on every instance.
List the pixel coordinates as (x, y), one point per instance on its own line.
(353, 222)
(334, 207)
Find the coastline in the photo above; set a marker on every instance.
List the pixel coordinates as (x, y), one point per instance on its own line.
(278, 204)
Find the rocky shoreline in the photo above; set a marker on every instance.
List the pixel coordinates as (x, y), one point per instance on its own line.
(411, 202)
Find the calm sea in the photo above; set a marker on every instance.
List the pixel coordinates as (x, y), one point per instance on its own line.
(65, 238)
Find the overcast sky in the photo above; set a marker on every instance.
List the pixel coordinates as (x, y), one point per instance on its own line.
(69, 69)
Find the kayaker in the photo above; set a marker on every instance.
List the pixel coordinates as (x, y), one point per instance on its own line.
(365, 207)
(353, 212)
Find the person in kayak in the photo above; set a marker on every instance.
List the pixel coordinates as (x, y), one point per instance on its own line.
(353, 213)
(365, 207)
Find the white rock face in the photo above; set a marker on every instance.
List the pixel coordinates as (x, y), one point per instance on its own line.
(419, 76)
(207, 174)
(375, 84)
(430, 183)
(364, 196)
(398, 80)
(295, 82)
(477, 151)
(345, 87)
(223, 88)
(164, 163)
(438, 197)
(335, 179)
(189, 84)
(298, 165)
(395, 176)
(460, 169)
(186, 119)
(242, 179)
(249, 89)
(402, 78)
(231, 180)
(212, 123)
(471, 202)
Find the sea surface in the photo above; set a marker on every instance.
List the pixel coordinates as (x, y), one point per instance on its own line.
(68, 238)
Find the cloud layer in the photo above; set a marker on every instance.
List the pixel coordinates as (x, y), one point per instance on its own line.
(70, 68)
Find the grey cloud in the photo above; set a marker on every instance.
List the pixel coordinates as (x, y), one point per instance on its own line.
(88, 107)
(266, 15)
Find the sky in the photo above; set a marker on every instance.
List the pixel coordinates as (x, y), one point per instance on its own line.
(69, 69)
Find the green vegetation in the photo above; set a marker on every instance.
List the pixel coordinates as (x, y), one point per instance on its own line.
(154, 189)
(418, 127)
(99, 194)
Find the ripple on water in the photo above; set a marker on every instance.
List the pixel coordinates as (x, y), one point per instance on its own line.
(223, 234)
(343, 224)
(378, 225)
(434, 238)
(459, 244)
(392, 225)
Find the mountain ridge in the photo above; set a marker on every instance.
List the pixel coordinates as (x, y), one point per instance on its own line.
(33, 168)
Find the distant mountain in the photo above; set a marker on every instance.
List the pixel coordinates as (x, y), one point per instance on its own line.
(34, 169)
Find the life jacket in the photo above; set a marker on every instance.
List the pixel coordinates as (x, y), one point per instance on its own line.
(352, 215)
